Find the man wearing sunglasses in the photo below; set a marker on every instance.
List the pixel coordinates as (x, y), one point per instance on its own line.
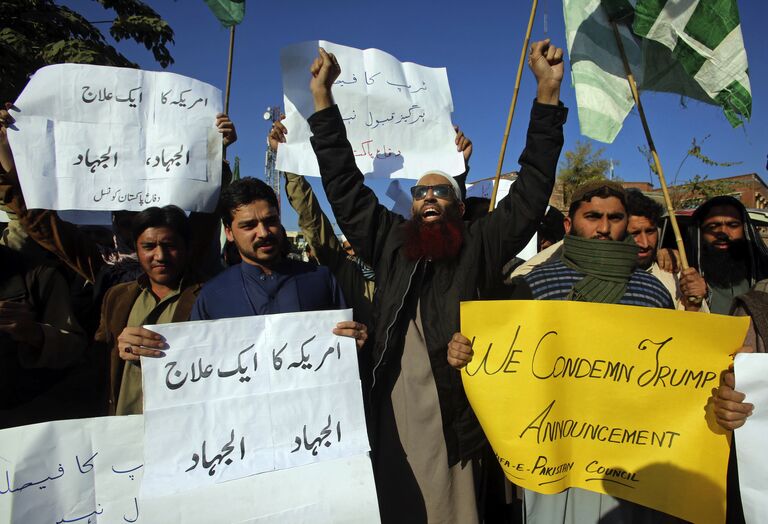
(425, 439)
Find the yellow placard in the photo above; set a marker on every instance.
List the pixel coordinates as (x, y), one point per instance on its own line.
(613, 399)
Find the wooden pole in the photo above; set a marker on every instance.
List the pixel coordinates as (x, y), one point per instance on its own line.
(512, 106)
(651, 147)
(229, 73)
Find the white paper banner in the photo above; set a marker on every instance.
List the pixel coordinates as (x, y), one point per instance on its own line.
(240, 396)
(751, 371)
(107, 138)
(90, 470)
(397, 114)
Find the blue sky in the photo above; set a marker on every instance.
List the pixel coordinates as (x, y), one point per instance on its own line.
(479, 42)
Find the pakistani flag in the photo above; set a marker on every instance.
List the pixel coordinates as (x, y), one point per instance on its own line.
(229, 12)
(689, 47)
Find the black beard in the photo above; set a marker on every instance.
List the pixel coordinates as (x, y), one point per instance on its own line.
(725, 268)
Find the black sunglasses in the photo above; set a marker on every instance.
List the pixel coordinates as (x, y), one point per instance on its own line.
(441, 191)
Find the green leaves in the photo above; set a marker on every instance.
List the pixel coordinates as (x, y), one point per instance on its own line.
(37, 33)
(582, 164)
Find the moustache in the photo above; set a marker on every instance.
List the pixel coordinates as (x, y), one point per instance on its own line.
(268, 241)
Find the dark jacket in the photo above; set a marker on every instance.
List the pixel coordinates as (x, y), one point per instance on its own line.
(377, 237)
(36, 383)
(115, 310)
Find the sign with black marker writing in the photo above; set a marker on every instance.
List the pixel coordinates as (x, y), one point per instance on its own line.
(612, 399)
(106, 138)
(397, 114)
(241, 396)
(91, 470)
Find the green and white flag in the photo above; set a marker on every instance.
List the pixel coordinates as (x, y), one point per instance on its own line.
(689, 47)
(229, 12)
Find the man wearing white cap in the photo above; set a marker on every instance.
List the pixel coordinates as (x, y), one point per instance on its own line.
(425, 439)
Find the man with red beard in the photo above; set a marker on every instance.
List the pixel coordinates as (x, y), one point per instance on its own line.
(728, 252)
(425, 438)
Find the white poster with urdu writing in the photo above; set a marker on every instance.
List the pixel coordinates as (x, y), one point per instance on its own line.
(397, 114)
(241, 396)
(107, 138)
(90, 470)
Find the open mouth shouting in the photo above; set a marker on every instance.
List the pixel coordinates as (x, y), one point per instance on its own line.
(431, 213)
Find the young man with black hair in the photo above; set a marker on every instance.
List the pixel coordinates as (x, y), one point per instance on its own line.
(599, 261)
(165, 292)
(598, 264)
(266, 281)
(688, 289)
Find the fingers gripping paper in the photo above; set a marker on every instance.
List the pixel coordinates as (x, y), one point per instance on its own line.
(606, 398)
(107, 138)
(397, 114)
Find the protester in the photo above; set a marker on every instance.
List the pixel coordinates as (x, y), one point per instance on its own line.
(731, 412)
(730, 408)
(643, 226)
(357, 280)
(165, 292)
(727, 250)
(425, 438)
(598, 264)
(588, 269)
(39, 341)
(688, 290)
(354, 277)
(266, 281)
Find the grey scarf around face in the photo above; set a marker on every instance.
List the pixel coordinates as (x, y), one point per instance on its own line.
(607, 266)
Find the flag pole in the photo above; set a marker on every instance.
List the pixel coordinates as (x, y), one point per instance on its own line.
(512, 106)
(651, 147)
(229, 73)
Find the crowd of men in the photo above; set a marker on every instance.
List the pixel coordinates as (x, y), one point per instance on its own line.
(73, 303)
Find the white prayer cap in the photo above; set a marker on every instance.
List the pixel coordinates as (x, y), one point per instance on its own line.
(449, 178)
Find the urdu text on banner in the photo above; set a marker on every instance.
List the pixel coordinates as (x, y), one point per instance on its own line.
(107, 138)
(608, 398)
(241, 396)
(90, 470)
(397, 114)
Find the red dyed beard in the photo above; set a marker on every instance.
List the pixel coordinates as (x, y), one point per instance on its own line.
(434, 240)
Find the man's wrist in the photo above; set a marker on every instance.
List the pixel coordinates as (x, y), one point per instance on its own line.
(548, 93)
(323, 100)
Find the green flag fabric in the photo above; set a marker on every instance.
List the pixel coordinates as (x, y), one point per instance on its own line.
(689, 47)
(229, 12)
